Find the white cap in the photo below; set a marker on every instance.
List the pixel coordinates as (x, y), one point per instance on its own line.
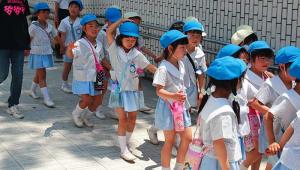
(242, 32)
(131, 15)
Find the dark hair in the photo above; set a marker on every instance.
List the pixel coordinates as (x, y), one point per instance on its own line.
(120, 38)
(286, 65)
(264, 52)
(194, 31)
(34, 16)
(239, 52)
(251, 38)
(178, 25)
(74, 2)
(182, 41)
(297, 80)
(229, 85)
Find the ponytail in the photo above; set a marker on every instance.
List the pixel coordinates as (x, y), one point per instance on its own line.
(205, 98)
(235, 104)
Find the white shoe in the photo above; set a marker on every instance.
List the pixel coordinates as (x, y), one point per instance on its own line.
(77, 120)
(145, 109)
(66, 88)
(15, 112)
(152, 136)
(49, 103)
(33, 95)
(128, 156)
(100, 115)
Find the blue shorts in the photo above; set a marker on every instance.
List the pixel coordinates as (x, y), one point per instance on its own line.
(280, 166)
(40, 61)
(84, 87)
(209, 163)
(164, 117)
(68, 59)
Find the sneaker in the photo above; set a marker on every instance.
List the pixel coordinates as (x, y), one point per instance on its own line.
(100, 115)
(15, 112)
(33, 95)
(128, 156)
(87, 122)
(152, 136)
(145, 109)
(66, 88)
(49, 103)
(77, 121)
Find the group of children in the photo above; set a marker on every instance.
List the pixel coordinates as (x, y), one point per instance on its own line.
(245, 111)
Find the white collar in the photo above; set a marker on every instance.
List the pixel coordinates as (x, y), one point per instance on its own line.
(173, 70)
(127, 56)
(214, 107)
(86, 43)
(253, 78)
(198, 53)
(277, 84)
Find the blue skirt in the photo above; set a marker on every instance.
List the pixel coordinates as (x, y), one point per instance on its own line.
(192, 95)
(262, 138)
(130, 101)
(209, 163)
(84, 87)
(68, 59)
(164, 118)
(280, 166)
(40, 61)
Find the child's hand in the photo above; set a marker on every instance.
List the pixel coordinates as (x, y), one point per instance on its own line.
(72, 45)
(273, 148)
(179, 96)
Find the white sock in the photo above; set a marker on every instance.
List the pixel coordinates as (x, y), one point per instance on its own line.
(33, 86)
(242, 166)
(89, 113)
(123, 146)
(162, 168)
(128, 136)
(178, 166)
(65, 83)
(45, 93)
(78, 111)
(98, 108)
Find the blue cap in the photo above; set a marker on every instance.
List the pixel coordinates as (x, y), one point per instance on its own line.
(113, 14)
(78, 2)
(129, 29)
(88, 18)
(193, 25)
(287, 54)
(226, 68)
(294, 69)
(228, 50)
(258, 45)
(41, 6)
(171, 36)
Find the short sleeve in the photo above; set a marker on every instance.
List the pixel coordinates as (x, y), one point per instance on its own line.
(201, 65)
(251, 90)
(266, 94)
(31, 31)
(62, 27)
(278, 107)
(221, 127)
(160, 77)
(141, 61)
(76, 51)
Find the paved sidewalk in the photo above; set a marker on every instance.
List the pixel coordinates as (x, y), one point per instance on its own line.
(47, 139)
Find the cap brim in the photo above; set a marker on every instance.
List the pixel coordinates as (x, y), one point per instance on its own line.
(131, 34)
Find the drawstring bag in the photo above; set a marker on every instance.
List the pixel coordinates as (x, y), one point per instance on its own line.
(196, 150)
(177, 111)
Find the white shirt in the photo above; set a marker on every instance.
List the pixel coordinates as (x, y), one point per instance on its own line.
(65, 27)
(218, 121)
(84, 67)
(290, 155)
(198, 58)
(63, 4)
(124, 66)
(270, 90)
(40, 41)
(284, 110)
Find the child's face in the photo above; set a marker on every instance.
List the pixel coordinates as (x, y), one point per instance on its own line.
(74, 10)
(261, 63)
(194, 38)
(91, 29)
(180, 51)
(43, 15)
(128, 42)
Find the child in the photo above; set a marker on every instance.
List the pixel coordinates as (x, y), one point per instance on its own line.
(87, 53)
(284, 109)
(218, 118)
(261, 56)
(70, 31)
(126, 60)
(274, 87)
(42, 35)
(234, 51)
(244, 36)
(194, 63)
(289, 159)
(169, 83)
(112, 15)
